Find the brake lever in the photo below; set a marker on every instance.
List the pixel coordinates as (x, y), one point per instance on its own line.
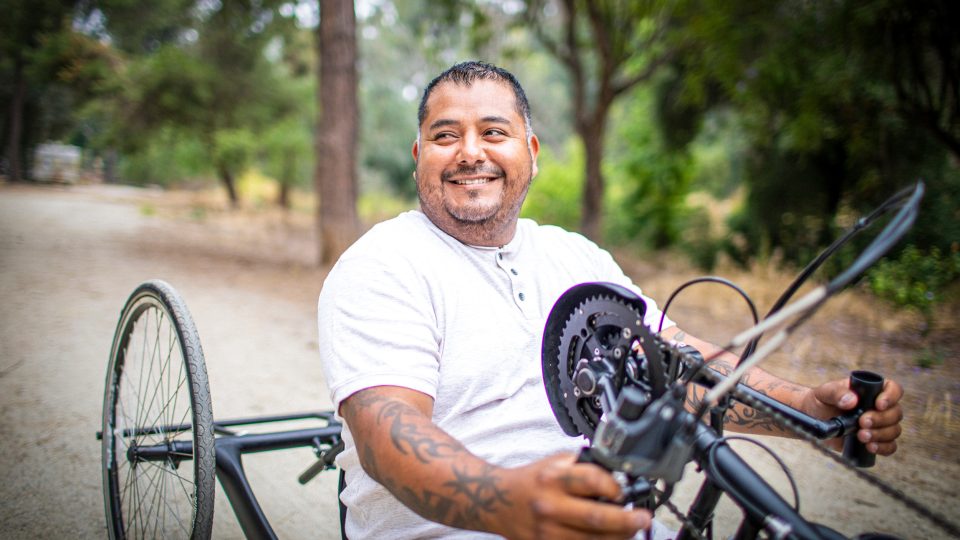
(325, 457)
(654, 441)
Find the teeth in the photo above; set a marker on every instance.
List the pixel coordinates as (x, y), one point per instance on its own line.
(471, 182)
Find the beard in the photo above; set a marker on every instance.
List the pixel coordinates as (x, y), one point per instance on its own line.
(481, 217)
(477, 210)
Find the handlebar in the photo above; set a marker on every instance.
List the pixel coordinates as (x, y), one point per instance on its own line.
(655, 440)
(867, 386)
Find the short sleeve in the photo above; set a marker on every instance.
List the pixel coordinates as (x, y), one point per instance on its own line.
(377, 327)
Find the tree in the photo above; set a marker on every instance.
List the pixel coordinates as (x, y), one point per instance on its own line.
(919, 55)
(196, 69)
(842, 103)
(607, 47)
(22, 29)
(337, 131)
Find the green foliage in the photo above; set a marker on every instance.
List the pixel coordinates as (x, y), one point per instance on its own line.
(170, 157)
(830, 124)
(929, 358)
(286, 149)
(918, 279)
(659, 177)
(233, 149)
(555, 194)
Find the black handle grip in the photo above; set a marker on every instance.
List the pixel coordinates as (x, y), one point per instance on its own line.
(867, 386)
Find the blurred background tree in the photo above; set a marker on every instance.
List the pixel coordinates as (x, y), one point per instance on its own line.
(731, 129)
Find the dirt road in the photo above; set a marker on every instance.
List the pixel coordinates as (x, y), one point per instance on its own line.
(70, 256)
(68, 260)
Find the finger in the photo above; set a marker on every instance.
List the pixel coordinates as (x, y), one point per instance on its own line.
(592, 517)
(836, 394)
(883, 449)
(890, 396)
(881, 419)
(582, 480)
(884, 435)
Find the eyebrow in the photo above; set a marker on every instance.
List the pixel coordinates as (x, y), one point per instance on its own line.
(443, 122)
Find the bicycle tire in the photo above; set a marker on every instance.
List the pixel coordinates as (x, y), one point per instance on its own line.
(157, 393)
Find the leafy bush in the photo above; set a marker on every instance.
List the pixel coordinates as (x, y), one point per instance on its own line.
(555, 194)
(168, 158)
(917, 279)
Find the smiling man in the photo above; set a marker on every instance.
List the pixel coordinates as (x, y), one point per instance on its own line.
(430, 329)
(475, 158)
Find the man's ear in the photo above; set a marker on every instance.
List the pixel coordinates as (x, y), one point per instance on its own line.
(534, 146)
(416, 149)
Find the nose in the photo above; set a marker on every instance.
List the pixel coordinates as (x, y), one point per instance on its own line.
(471, 150)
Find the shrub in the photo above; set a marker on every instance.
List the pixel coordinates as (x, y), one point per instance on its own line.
(916, 279)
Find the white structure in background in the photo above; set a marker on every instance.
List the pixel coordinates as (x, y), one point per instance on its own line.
(54, 162)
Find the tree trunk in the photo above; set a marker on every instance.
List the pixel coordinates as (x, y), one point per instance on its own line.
(227, 178)
(592, 130)
(336, 140)
(14, 146)
(591, 217)
(286, 178)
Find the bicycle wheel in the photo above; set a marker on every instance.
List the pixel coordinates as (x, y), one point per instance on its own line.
(157, 439)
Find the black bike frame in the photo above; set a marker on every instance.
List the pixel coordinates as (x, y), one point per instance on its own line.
(722, 466)
(229, 449)
(763, 507)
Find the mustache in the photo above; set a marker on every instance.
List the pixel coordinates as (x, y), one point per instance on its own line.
(474, 170)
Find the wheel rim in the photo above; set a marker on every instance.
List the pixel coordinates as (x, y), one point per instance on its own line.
(150, 405)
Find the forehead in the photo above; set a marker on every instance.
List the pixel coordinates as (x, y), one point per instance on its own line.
(481, 99)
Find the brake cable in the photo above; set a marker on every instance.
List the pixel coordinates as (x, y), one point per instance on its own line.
(913, 193)
(908, 201)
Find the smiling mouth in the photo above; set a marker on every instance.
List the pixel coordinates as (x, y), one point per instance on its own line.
(471, 181)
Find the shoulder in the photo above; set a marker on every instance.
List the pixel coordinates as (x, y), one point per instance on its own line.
(554, 237)
(407, 229)
(387, 252)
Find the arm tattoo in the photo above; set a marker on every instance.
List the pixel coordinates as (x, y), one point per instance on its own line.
(480, 490)
(466, 500)
(738, 414)
(407, 435)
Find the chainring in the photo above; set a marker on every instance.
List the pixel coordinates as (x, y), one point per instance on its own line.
(596, 330)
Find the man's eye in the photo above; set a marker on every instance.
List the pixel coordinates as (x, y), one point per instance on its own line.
(443, 136)
(494, 133)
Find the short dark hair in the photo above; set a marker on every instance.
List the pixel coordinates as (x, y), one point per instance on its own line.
(465, 73)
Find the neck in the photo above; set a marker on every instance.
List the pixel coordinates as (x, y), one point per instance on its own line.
(488, 233)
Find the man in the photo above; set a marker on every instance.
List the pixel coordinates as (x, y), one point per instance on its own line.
(430, 330)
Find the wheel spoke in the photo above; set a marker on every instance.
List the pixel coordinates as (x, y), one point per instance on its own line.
(154, 359)
(169, 404)
(155, 385)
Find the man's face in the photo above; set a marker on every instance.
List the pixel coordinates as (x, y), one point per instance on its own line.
(474, 162)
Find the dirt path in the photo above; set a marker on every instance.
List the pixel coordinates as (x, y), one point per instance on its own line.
(70, 256)
(68, 260)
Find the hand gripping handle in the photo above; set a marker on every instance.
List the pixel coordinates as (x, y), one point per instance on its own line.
(867, 386)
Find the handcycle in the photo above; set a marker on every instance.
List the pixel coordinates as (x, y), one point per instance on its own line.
(161, 448)
(607, 377)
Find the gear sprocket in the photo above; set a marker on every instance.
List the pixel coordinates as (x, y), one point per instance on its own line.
(594, 331)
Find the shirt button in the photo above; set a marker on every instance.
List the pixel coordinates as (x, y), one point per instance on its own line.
(514, 271)
(521, 297)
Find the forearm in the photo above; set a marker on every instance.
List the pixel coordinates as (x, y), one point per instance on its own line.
(739, 417)
(420, 464)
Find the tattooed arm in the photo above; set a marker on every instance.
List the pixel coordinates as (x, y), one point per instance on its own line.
(879, 428)
(438, 478)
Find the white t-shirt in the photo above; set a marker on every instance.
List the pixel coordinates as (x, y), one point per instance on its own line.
(408, 305)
